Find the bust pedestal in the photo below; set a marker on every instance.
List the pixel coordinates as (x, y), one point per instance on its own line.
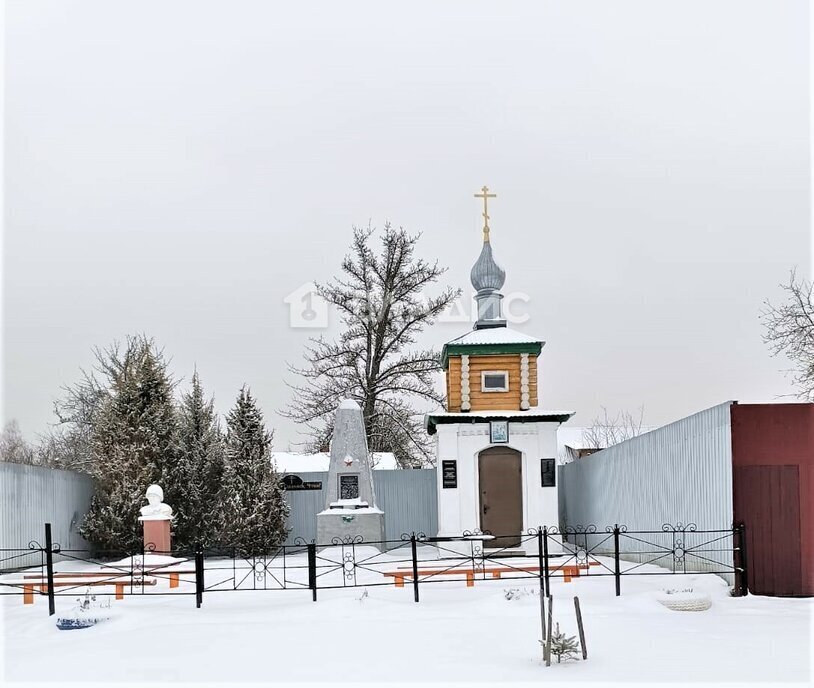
(157, 534)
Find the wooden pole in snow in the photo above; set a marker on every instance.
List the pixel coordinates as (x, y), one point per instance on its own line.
(581, 629)
(550, 631)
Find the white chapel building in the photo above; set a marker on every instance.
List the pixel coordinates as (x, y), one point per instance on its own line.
(496, 450)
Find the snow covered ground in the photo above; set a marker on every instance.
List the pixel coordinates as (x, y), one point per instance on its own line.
(455, 634)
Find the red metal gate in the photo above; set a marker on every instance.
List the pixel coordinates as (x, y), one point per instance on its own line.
(767, 501)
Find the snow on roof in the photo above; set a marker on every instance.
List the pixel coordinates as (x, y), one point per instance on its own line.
(533, 411)
(495, 335)
(294, 462)
(572, 436)
(534, 414)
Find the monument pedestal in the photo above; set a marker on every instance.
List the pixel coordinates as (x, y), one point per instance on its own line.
(350, 513)
(157, 534)
(338, 525)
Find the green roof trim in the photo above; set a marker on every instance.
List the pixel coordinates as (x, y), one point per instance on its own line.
(488, 350)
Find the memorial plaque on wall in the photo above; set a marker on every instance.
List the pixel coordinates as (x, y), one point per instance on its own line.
(349, 486)
(449, 473)
(294, 482)
(548, 468)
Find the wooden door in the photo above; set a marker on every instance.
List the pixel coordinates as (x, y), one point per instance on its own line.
(501, 495)
(767, 501)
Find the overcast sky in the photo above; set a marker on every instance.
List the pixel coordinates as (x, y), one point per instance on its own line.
(178, 168)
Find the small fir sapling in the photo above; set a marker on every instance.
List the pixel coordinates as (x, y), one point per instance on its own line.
(562, 646)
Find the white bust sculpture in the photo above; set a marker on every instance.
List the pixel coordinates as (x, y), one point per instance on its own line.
(156, 509)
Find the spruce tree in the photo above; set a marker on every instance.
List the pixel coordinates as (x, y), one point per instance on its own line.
(131, 442)
(253, 506)
(197, 474)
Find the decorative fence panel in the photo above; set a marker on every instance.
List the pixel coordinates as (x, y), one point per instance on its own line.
(543, 556)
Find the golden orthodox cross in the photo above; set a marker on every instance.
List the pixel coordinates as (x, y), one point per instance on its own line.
(485, 195)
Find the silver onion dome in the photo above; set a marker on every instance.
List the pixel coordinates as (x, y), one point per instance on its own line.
(486, 274)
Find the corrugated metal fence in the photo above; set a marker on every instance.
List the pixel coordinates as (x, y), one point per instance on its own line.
(681, 472)
(31, 496)
(407, 497)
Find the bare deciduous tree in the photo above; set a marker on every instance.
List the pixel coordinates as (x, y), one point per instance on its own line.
(46, 451)
(381, 298)
(68, 443)
(605, 431)
(790, 331)
(13, 446)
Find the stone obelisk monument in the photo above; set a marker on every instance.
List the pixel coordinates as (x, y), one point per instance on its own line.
(350, 505)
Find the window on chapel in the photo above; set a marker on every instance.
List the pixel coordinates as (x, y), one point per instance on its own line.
(494, 381)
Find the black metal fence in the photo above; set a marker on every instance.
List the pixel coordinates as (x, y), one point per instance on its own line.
(542, 554)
